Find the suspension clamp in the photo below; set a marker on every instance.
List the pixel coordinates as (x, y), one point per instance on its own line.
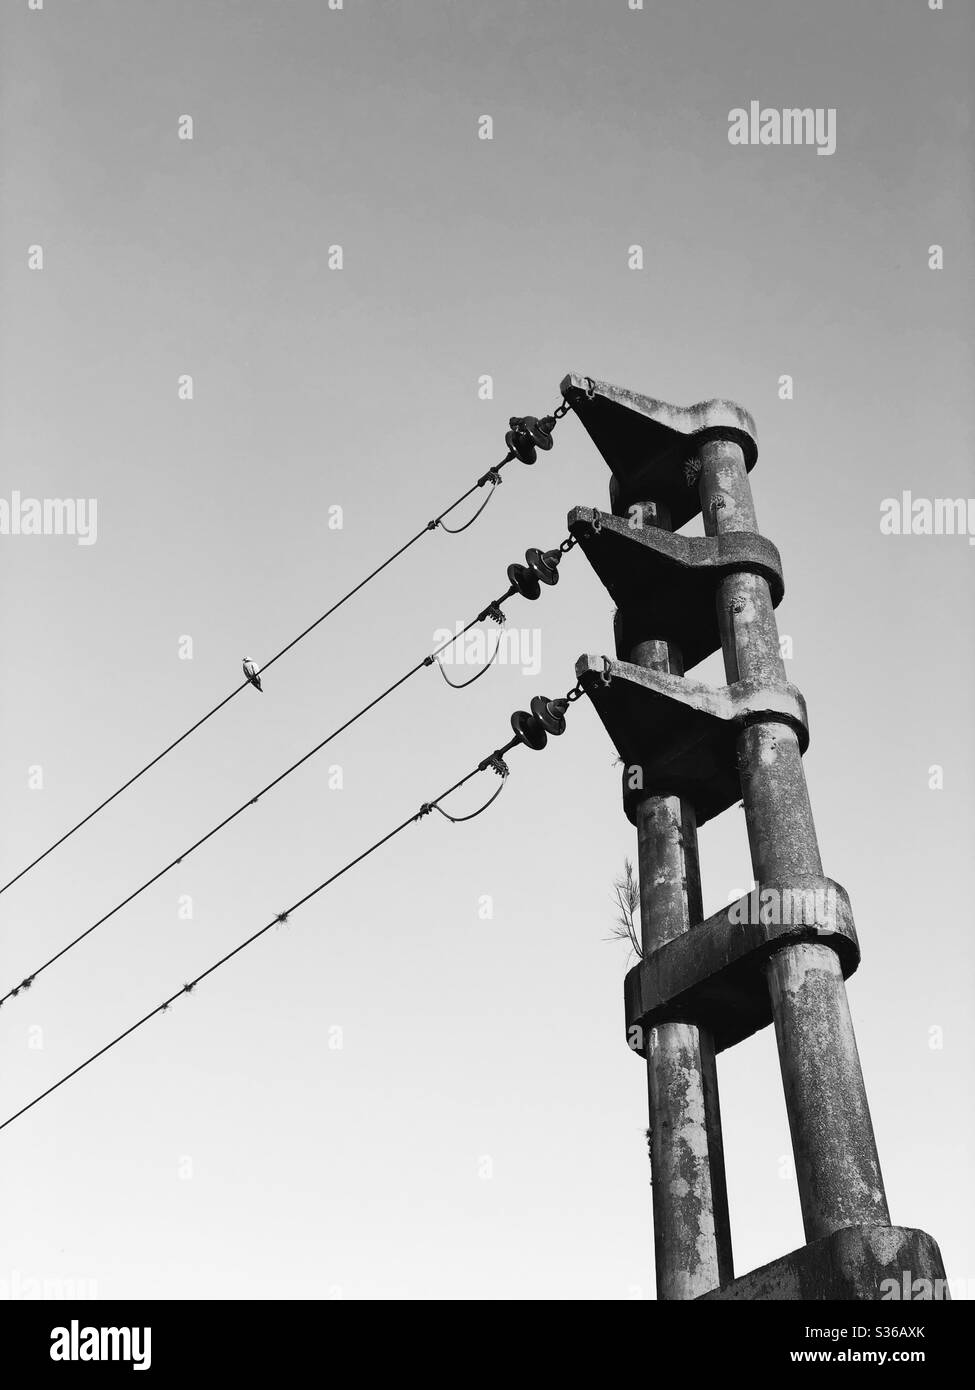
(493, 611)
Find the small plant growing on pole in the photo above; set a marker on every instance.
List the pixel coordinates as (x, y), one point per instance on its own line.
(627, 891)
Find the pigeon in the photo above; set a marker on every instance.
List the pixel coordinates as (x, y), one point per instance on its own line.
(252, 673)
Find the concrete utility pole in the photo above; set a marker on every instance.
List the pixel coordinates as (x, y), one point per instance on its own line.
(781, 954)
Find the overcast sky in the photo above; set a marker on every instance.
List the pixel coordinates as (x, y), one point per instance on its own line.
(479, 1133)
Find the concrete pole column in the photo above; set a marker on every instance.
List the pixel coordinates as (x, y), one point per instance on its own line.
(837, 1165)
(692, 1235)
(692, 1231)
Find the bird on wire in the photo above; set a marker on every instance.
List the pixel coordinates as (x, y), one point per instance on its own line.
(252, 672)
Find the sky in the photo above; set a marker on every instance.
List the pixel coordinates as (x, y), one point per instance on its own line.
(394, 1094)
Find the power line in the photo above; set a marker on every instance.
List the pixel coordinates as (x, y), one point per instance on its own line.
(279, 917)
(226, 700)
(525, 435)
(530, 729)
(251, 801)
(527, 580)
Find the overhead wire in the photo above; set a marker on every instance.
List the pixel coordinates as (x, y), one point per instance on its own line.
(29, 980)
(278, 918)
(525, 434)
(522, 582)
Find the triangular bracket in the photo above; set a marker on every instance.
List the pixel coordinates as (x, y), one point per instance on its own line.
(646, 442)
